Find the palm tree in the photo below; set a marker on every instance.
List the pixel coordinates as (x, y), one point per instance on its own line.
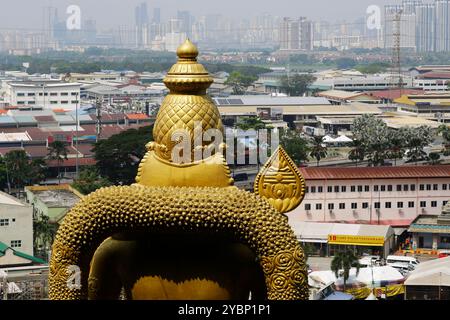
(57, 151)
(358, 152)
(318, 150)
(342, 263)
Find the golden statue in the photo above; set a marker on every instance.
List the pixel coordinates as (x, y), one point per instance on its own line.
(183, 231)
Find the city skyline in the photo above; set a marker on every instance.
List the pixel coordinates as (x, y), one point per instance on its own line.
(121, 13)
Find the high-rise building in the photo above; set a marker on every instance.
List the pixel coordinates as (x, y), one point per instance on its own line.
(141, 25)
(442, 25)
(290, 34)
(186, 22)
(306, 34)
(157, 15)
(407, 26)
(425, 17)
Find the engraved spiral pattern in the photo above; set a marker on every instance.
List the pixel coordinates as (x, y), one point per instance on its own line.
(246, 217)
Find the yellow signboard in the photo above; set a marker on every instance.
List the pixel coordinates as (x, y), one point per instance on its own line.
(356, 240)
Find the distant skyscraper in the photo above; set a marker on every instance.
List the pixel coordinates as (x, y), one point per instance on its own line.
(306, 34)
(407, 26)
(186, 21)
(142, 25)
(442, 25)
(425, 17)
(157, 15)
(290, 34)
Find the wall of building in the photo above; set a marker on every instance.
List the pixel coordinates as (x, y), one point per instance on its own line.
(20, 226)
(359, 204)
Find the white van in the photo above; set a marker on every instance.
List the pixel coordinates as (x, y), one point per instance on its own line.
(402, 259)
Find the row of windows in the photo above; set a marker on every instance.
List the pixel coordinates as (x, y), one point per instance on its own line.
(378, 188)
(377, 205)
(4, 222)
(52, 94)
(51, 102)
(16, 243)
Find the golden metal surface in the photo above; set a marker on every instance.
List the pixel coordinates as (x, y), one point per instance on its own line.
(280, 182)
(183, 231)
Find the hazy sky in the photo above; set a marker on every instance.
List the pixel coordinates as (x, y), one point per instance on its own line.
(29, 13)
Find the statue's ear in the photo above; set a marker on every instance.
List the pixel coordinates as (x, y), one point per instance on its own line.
(280, 182)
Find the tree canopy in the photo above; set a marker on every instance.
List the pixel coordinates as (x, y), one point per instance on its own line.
(118, 157)
(240, 82)
(295, 146)
(296, 85)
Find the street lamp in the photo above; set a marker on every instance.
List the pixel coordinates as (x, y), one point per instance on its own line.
(76, 142)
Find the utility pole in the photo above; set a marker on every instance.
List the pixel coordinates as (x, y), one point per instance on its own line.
(99, 118)
(5, 287)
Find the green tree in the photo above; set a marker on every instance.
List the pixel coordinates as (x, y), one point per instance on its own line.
(416, 140)
(21, 170)
(248, 123)
(90, 180)
(44, 233)
(357, 153)
(343, 262)
(296, 85)
(374, 136)
(119, 156)
(57, 151)
(435, 158)
(318, 149)
(295, 146)
(396, 144)
(240, 82)
(444, 131)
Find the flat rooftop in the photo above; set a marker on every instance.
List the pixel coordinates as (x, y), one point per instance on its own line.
(57, 198)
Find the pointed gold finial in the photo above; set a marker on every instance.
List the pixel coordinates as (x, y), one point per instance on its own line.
(280, 182)
(187, 51)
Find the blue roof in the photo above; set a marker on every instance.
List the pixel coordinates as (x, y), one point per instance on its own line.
(7, 119)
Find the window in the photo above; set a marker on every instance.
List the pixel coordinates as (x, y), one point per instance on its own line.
(406, 187)
(352, 188)
(342, 206)
(375, 188)
(383, 188)
(20, 102)
(330, 189)
(21, 94)
(389, 188)
(313, 189)
(377, 205)
(399, 187)
(31, 102)
(64, 94)
(433, 204)
(307, 189)
(53, 94)
(331, 206)
(336, 189)
(307, 206)
(31, 94)
(422, 187)
(435, 187)
(75, 101)
(16, 243)
(411, 204)
(319, 189)
(4, 222)
(423, 204)
(74, 93)
(343, 189)
(318, 206)
(413, 187)
(64, 102)
(388, 205)
(366, 188)
(360, 188)
(53, 102)
(400, 205)
(444, 203)
(354, 205)
(428, 187)
(365, 205)
(444, 186)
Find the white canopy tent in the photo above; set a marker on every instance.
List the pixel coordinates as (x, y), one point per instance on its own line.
(431, 273)
(328, 139)
(343, 139)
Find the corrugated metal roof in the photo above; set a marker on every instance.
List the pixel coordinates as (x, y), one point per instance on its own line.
(317, 173)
